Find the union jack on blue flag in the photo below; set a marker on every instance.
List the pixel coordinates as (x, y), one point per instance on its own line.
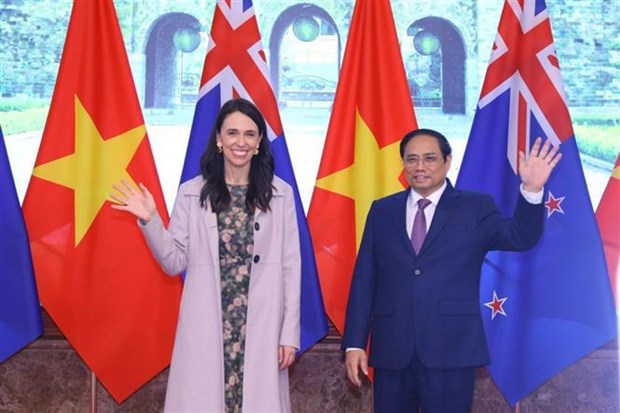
(236, 66)
(546, 308)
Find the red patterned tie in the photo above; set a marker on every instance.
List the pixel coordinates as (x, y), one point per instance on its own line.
(418, 232)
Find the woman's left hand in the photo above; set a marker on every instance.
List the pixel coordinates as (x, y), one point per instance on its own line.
(139, 202)
(286, 356)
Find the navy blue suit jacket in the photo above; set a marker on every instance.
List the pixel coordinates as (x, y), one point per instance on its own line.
(429, 302)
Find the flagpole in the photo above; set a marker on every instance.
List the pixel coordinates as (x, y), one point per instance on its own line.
(93, 392)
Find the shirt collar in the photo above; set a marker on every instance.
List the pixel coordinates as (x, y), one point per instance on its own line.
(434, 197)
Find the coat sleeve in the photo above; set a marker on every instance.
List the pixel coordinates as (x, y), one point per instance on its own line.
(519, 233)
(291, 273)
(362, 291)
(170, 247)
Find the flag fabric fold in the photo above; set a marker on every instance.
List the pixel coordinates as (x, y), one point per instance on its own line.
(372, 111)
(95, 274)
(236, 66)
(608, 218)
(546, 308)
(20, 314)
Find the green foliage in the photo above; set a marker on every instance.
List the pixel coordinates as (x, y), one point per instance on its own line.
(20, 104)
(28, 120)
(601, 142)
(602, 118)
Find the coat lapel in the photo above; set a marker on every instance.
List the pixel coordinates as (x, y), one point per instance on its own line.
(214, 235)
(260, 217)
(399, 218)
(445, 208)
(209, 218)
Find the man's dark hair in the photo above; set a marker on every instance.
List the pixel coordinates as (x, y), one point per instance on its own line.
(444, 145)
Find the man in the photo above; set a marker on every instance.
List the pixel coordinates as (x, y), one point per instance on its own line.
(415, 288)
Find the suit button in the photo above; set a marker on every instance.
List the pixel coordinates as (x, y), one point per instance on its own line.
(417, 271)
(256, 226)
(256, 259)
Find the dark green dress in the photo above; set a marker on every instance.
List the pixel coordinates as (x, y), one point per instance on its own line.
(236, 245)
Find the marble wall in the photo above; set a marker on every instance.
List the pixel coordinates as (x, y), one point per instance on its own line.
(49, 377)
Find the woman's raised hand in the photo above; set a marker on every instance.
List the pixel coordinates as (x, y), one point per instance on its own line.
(139, 202)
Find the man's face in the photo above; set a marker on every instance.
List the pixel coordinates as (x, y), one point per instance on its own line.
(425, 168)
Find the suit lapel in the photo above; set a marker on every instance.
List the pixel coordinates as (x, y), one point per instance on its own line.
(399, 218)
(445, 208)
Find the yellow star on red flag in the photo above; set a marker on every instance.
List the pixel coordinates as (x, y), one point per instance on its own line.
(95, 275)
(93, 168)
(372, 111)
(372, 175)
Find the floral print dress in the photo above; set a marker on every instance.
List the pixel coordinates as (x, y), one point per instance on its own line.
(236, 245)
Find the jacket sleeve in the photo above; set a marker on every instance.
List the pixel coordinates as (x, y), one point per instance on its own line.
(170, 247)
(519, 233)
(291, 273)
(362, 291)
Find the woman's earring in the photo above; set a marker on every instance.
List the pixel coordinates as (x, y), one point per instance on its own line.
(256, 151)
(219, 147)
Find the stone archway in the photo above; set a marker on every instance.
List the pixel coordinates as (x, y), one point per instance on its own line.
(161, 57)
(450, 60)
(280, 27)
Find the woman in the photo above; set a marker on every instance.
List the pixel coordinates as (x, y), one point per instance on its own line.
(233, 230)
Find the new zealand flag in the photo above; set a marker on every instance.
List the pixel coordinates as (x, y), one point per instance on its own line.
(546, 308)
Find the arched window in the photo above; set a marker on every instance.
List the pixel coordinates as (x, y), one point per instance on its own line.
(168, 82)
(435, 65)
(304, 56)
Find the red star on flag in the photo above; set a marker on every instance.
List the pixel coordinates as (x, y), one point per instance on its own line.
(497, 305)
(553, 204)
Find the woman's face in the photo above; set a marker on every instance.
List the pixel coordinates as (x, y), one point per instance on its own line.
(239, 139)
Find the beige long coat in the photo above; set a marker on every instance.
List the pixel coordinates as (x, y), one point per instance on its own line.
(190, 244)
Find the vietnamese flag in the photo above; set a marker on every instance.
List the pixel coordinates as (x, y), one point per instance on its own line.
(361, 161)
(95, 274)
(608, 218)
